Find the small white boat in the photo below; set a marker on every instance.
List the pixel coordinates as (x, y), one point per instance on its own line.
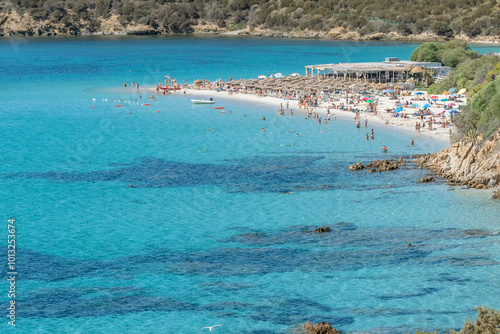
(211, 101)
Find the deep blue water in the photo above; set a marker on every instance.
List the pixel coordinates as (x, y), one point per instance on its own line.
(217, 227)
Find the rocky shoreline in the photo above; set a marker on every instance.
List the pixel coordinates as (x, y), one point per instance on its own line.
(14, 24)
(475, 164)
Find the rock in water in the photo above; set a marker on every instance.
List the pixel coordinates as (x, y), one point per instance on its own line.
(426, 179)
(496, 194)
(322, 328)
(322, 229)
(356, 166)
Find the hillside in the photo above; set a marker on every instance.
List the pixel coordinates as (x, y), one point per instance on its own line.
(339, 19)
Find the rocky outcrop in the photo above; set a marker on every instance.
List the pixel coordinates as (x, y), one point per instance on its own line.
(384, 165)
(473, 163)
(379, 165)
(322, 328)
(426, 179)
(357, 166)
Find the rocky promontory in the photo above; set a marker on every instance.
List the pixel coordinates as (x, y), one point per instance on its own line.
(473, 163)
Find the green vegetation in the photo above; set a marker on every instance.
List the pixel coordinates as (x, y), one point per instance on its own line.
(487, 322)
(479, 75)
(449, 54)
(447, 18)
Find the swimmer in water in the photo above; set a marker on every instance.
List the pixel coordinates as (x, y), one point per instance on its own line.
(263, 118)
(412, 142)
(384, 149)
(263, 129)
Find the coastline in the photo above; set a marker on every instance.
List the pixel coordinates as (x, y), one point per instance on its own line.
(401, 124)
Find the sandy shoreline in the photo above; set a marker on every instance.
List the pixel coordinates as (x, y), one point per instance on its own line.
(385, 118)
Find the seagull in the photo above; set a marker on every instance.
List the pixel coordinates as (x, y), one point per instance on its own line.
(212, 327)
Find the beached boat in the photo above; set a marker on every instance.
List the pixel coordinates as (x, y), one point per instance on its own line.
(211, 101)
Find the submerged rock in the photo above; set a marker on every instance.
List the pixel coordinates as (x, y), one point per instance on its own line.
(322, 229)
(496, 194)
(322, 328)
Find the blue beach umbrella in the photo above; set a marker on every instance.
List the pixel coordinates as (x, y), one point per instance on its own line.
(389, 91)
(419, 93)
(454, 94)
(453, 111)
(415, 105)
(451, 90)
(425, 106)
(398, 109)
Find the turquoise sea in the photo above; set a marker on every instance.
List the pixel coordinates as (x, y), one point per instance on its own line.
(216, 228)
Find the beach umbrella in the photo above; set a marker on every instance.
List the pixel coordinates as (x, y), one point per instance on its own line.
(461, 91)
(434, 97)
(364, 99)
(454, 94)
(398, 109)
(445, 93)
(369, 101)
(451, 104)
(425, 106)
(451, 90)
(444, 100)
(415, 105)
(419, 93)
(366, 93)
(453, 111)
(388, 91)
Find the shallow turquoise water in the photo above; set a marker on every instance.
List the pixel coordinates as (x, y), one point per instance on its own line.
(220, 236)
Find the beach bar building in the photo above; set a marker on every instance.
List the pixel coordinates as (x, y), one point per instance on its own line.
(392, 70)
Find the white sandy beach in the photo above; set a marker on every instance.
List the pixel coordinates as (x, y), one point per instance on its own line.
(382, 117)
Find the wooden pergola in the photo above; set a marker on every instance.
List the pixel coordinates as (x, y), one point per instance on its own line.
(364, 72)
